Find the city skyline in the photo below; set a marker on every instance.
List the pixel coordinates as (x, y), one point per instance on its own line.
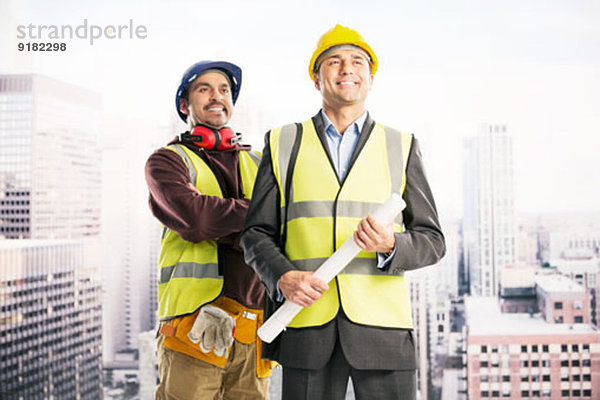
(444, 70)
(128, 230)
(50, 285)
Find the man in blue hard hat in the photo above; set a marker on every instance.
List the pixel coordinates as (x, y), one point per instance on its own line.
(209, 300)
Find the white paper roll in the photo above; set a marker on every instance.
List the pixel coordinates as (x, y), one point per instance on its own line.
(384, 214)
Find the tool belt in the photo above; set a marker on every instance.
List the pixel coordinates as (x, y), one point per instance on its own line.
(247, 322)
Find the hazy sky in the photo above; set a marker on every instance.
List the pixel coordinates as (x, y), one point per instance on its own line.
(445, 68)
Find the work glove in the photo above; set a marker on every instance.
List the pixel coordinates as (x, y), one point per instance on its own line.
(213, 328)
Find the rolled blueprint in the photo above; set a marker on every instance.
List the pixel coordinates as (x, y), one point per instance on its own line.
(384, 214)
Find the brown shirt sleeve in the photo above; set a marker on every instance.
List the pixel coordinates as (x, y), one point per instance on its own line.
(181, 208)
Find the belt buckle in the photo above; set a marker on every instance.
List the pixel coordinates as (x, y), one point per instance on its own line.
(249, 315)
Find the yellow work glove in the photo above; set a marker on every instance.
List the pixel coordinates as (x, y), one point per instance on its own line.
(213, 328)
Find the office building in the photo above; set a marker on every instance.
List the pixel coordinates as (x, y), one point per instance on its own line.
(525, 356)
(562, 300)
(585, 270)
(50, 320)
(489, 228)
(49, 159)
(50, 289)
(447, 268)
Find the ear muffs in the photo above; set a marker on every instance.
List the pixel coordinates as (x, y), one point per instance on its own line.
(211, 139)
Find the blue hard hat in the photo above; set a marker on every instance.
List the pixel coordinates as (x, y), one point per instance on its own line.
(233, 72)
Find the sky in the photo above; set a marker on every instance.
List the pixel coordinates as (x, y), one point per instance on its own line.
(445, 69)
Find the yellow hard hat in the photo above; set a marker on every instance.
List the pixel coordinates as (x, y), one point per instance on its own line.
(337, 36)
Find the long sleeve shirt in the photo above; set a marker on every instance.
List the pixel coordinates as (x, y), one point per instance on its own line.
(197, 217)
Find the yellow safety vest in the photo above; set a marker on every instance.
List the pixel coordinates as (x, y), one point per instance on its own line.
(189, 272)
(322, 213)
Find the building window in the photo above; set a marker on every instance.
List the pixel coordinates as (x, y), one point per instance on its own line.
(535, 393)
(524, 378)
(524, 349)
(558, 305)
(558, 320)
(586, 348)
(525, 363)
(485, 393)
(564, 363)
(484, 349)
(564, 393)
(534, 348)
(575, 348)
(505, 378)
(587, 378)
(506, 393)
(483, 364)
(577, 305)
(546, 392)
(578, 319)
(576, 393)
(587, 393)
(495, 393)
(535, 363)
(576, 378)
(564, 348)
(575, 363)
(524, 393)
(546, 378)
(484, 378)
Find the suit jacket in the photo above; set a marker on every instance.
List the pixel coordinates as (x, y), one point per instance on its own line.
(419, 245)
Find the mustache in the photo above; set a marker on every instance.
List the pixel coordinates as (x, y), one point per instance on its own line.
(215, 103)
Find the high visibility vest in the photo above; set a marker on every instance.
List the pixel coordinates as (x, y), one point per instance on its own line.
(189, 274)
(321, 213)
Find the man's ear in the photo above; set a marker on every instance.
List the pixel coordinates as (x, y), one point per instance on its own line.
(183, 106)
(316, 80)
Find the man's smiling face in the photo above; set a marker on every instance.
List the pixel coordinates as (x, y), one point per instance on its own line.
(209, 101)
(344, 78)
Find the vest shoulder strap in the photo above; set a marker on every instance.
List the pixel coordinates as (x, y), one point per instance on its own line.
(177, 148)
(398, 143)
(254, 155)
(286, 184)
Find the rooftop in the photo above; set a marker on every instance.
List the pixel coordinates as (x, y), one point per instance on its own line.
(558, 283)
(485, 318)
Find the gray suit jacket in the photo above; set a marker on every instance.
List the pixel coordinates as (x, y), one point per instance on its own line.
(365, 347)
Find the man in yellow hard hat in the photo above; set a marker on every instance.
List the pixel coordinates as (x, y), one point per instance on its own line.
(316, 185)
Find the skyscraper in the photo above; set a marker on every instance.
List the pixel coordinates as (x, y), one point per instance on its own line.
(49, 160)
(50, 320)
(50, 292)
(489, 208)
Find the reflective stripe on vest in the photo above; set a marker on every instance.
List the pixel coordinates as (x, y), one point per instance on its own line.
(322, 214)
(189, 272)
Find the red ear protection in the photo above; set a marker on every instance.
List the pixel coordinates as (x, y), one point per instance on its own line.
(212, 139)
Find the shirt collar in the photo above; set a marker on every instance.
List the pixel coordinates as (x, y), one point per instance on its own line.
(357, 125)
